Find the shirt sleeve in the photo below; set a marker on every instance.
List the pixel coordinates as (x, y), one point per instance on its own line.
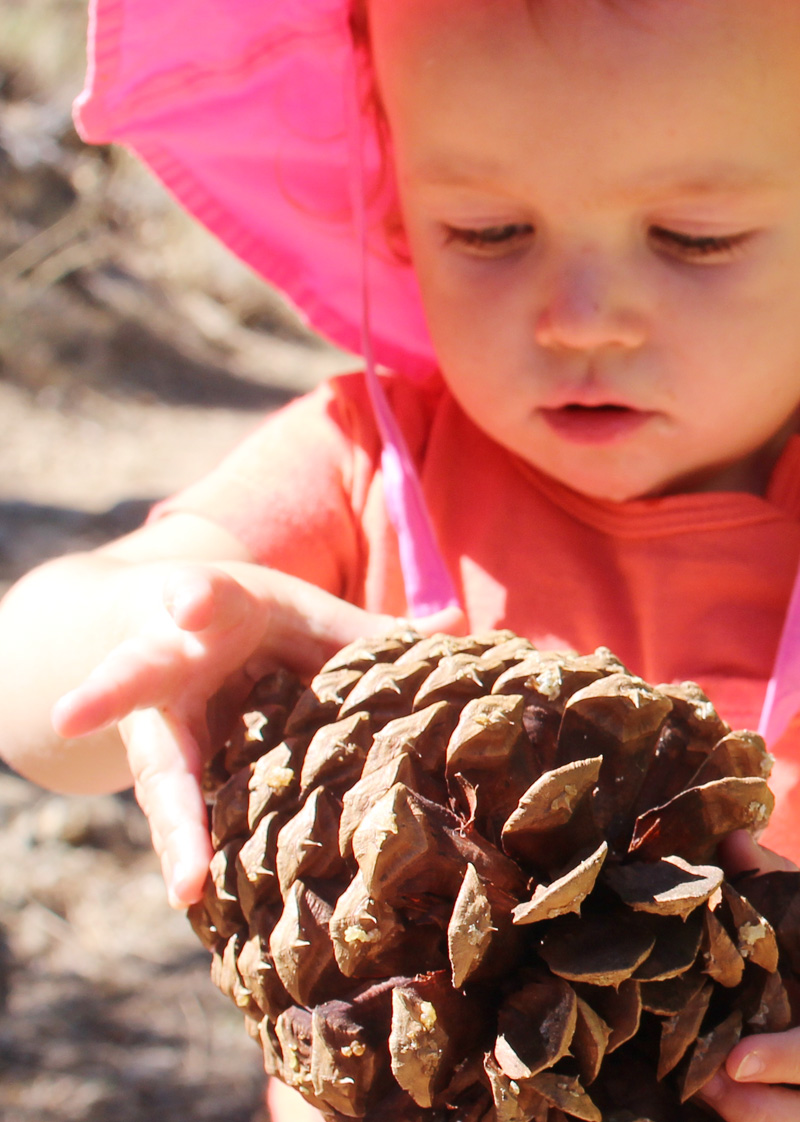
(293, 492)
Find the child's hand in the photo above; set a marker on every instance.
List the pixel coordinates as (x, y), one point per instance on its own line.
(743, 1091)
(216, 630)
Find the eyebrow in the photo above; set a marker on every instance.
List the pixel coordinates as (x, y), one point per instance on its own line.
(724, 180)
(662, 186)
(457, 171)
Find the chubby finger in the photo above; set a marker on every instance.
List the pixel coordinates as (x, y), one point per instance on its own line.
(185, 859)
(740, 853)
(201, 597)
(305, 625)
(165, 763)
(450, 620)
(285, 1102)
(138, 674)
(766, 1058)
(738, 1102)
(103, 698)
(93, 705)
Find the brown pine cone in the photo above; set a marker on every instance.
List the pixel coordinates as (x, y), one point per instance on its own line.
(462, 879)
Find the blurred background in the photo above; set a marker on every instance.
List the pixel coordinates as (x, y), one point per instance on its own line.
(134, 352)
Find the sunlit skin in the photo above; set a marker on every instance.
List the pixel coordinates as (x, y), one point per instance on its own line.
(602, 203)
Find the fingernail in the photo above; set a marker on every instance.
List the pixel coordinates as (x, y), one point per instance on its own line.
(176, 885)
(750, 1066)
(178, 601)
(172, 877)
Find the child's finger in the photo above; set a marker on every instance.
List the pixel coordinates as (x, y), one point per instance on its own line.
(184, 863)
(740, 852)
(164, 760)
(766, 1058)
(304, 625)
(284, 1102)
(737, 1102)
(136, 675)
(88, 708)
(450, 620)
(199, 597)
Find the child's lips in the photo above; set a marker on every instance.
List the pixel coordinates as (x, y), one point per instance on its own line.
(594, 424)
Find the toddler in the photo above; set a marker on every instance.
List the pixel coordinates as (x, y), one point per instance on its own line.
(597, 205)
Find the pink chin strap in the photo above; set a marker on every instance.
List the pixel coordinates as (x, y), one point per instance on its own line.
(428, 584)
(782, 700)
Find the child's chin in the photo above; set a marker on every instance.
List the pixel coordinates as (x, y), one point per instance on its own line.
(605, 488)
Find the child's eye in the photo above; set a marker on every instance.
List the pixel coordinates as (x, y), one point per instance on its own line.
(702, 249)
(489, 241)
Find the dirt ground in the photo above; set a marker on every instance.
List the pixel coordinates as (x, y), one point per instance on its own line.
(134, 352)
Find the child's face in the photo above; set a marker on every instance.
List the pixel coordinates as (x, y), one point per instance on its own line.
(603, 206)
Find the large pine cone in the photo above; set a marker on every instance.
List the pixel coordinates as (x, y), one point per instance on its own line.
(463, 879)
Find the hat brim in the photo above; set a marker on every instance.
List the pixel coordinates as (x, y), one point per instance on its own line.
(245, 112)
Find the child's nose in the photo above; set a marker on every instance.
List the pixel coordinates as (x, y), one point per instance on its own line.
(585, 308)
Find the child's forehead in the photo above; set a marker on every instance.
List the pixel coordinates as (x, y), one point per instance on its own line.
(692, 81)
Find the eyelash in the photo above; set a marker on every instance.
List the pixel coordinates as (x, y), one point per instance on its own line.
(489, 239)
(700, 248)
(498, 240)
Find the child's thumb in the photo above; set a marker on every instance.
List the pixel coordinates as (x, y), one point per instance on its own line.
(740, 853)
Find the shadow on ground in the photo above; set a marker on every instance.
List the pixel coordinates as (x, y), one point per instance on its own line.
(74, 1049)
(34, 532)
(108, 1013)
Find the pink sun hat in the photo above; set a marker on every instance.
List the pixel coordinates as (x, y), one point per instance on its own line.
(251, 113)
(243, 108)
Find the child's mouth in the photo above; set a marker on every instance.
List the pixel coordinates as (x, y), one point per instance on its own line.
(594, 424)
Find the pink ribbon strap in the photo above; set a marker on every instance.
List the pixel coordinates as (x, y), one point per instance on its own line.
(429, 587)
(782, 700)
(427, 581)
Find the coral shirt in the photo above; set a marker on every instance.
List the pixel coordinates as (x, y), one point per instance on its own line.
(690, 586)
